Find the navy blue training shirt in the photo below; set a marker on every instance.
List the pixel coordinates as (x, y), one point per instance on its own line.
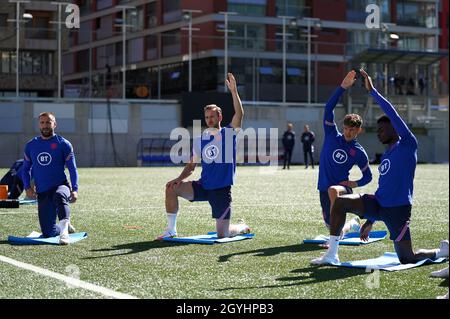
(398, 163)
(218, 156)
(338, 156)
(48, 158)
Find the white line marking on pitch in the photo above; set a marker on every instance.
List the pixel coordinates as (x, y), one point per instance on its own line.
(68, 280)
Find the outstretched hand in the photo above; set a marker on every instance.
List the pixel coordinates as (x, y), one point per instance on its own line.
(349, 80)
(367, 80)
(231, 83)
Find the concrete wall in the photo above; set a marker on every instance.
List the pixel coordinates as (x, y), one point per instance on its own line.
(86, 125)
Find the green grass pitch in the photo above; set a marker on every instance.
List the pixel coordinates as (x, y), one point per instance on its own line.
(122, 210)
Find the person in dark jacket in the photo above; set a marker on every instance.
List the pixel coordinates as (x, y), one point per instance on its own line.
(288, 145)
(308, 139)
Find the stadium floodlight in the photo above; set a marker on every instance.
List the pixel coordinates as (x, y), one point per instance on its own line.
(25, 18)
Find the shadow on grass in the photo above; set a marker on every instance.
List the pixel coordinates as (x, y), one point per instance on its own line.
(134, 248)
(444, 283)
(272, 251)
(4, 242)
(308, 276)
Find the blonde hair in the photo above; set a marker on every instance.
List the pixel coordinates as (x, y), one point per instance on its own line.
(213, 107)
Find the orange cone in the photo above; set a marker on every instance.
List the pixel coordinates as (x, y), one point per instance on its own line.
(3, 191)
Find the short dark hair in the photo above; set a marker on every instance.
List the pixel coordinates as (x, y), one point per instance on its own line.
(384, 118)
(353, 120)
(47, 114)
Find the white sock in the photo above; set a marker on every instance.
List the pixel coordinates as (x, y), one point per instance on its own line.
(64, 226)
(172, 222)
(333, 245)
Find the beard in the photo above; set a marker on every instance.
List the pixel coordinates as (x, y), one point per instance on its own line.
(47, 132)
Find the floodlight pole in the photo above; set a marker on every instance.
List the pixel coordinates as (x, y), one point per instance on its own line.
(309, 21)
(189, 18)
(17, 21)
(284, 18)
(59, 22)
(225, 58)
(124, 46)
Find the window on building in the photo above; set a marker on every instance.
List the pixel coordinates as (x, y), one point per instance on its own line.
(246, 7)
(294, 8)
(171, 44)
(37, 61)
(247, 37)
(84, 32)
(5, 66)
(151, 43)
(294, 41)
(85, 6)
(135, 49)
(415, 13)
(151, 15)
(360, 40)
(356, 10)
(39, 27)
(98, 23)
(118, 55)
(3, 20)
(417, 43)
(136, 18)
(296, 72)
(31, 62)
(171, 10)
(83, 61)
(103, 4)
(270, 71)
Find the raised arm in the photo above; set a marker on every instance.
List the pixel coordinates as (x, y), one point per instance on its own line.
(236, 122)
(348, 82)
(397, 122)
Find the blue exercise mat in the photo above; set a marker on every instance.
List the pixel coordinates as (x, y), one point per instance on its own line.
(388, 262)
(38, 240)
(350, 238)
(209, 239)
(27, 201)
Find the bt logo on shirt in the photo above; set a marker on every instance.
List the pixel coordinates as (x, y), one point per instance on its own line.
(384, 167)
(44, 158)
(211, 152)
(339, 156)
